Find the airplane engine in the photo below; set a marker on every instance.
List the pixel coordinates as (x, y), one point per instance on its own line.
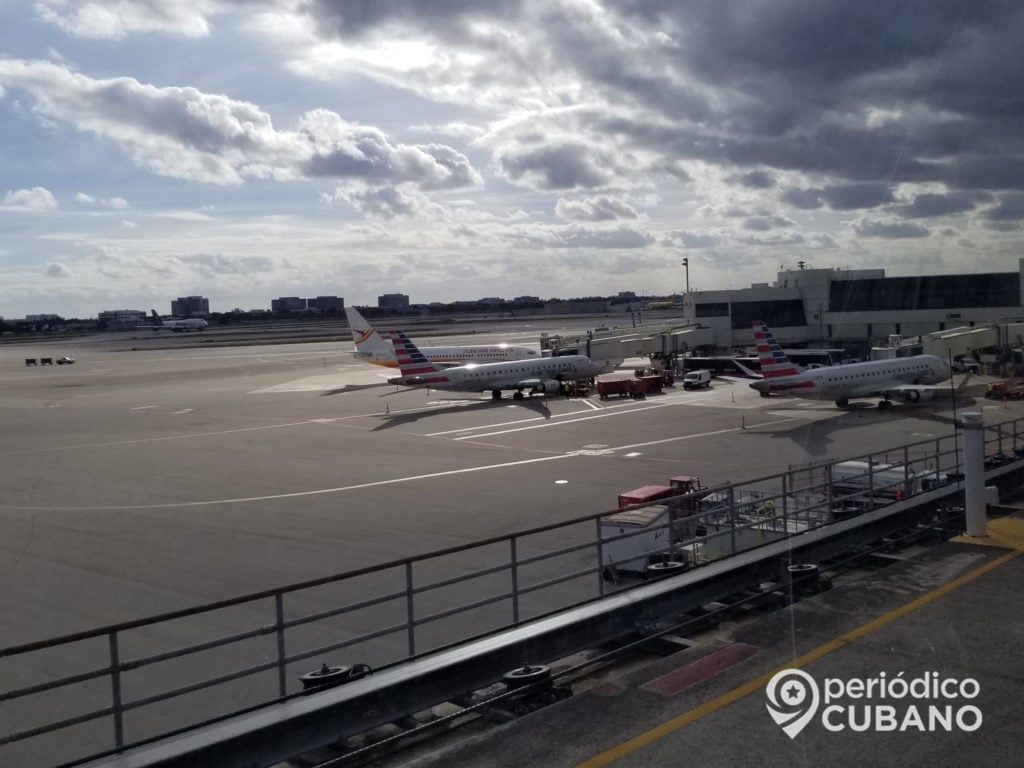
(551, 387)
(917, 395)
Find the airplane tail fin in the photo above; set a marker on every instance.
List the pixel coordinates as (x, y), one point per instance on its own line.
(367, 340)
(414, 365)
(157, 320)
(774, 362)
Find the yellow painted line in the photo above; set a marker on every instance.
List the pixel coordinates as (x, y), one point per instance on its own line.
(1007, 532)
(735, 694)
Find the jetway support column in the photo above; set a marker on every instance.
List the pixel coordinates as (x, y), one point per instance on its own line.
(974, 473)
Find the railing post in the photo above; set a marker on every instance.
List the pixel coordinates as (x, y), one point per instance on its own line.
(115, 690)
(732, 519)
(906, 472)
(410, 610)
(785, 505)
(282, 680)
(600, 558)
(514, 564)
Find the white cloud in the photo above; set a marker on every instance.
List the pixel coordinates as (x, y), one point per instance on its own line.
(34, 199)
(114, 19)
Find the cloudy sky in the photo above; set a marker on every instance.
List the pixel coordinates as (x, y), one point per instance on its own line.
(456, 149)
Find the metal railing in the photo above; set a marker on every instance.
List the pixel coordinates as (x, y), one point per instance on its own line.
(149, 677)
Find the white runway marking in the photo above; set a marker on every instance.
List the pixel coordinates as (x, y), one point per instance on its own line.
(378, 483)
(143, 407)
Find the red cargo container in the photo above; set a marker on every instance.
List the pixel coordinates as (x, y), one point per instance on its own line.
(613, 388)
(645, 495)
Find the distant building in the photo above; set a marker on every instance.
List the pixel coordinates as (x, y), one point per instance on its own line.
(122, 319)
(190, 306)
(326, 304)
(393, 301)
(288, 304)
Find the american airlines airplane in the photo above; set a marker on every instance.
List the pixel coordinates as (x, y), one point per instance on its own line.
(906, 378)
(371, 348)
(543, 375)
(188, 324)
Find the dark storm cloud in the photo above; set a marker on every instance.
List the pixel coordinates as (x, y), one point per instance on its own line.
(872, 92)
(446, 18)
(932, 204)
(847, 197)
(804, 199)
(853, 196)
(1010, 207)
(758, 180)
(425, 166)
(799, 80)
(565, 166)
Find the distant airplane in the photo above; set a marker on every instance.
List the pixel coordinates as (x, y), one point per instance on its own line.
(905, 378)
(543, 375)
(371, 348)
(673, 303)
(178, 326)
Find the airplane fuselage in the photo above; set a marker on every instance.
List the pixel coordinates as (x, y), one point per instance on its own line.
(544, 374)
(483, 353)
(854, 380)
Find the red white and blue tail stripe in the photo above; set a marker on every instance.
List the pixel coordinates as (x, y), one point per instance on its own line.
(774, 362)
(413, 364)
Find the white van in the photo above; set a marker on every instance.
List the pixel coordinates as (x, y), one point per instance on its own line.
(697, 379)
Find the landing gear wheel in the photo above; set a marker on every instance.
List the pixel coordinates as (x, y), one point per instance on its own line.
(496, 394)
(517, 396)
(884, 405)
(766, 394)
(842, 402)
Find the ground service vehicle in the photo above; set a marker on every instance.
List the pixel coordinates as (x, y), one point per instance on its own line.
(697, 379)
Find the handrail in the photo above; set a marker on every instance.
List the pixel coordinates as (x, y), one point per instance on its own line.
(744, 514)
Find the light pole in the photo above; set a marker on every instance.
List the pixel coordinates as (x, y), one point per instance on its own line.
(686, 266)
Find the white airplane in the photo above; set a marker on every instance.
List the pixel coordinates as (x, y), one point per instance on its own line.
(906, 378)
(371, 348)
(544, 375)
(188, 324)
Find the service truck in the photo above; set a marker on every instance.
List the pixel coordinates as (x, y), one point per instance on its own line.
(697, 379)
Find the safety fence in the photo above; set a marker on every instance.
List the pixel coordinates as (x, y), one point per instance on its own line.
(94, 691)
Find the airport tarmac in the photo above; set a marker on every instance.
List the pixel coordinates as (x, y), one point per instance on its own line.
(138, 482)
(151, 477)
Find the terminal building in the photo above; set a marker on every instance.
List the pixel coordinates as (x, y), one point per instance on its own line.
(852, 308)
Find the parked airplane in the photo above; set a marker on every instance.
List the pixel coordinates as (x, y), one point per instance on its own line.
(372, 348)
(904, 378)
(188, 324)
(544, 375)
